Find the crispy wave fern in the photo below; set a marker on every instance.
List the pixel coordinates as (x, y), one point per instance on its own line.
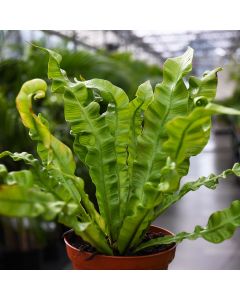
(136, 152)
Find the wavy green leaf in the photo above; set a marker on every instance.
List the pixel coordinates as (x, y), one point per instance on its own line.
(26, 199)
(221, 226)
(93, 135)
(187, 135)
(100, 140)
(16, 156)
(39, 175)
(210, 182)
(89, 206)
(219, 109)
(206, 87)
(137, 107)
(24, 196)
(117, 118)
(56, 156)
(60, 186)
(50, 149)
(170, 100)
(55, 73)
(22, 178)
(17, 201)
(79, 207)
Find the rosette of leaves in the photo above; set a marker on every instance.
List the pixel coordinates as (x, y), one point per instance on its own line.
(136, 153)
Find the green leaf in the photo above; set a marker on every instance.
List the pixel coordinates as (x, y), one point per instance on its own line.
(22, 178)
(50, 149)
(59, 185)
(23, 198)
(187, 135)
(95, 146)
(170, 100)
(219, 109)
(55, 73)
(98, 138)
(37, 193)
(117, 118)
(17, 201)
(210, 182)
(26, 157)
(89, 207)
(221, 226)
(52, 181)
(137, 107)
(95, 232)
(3, 172)
(68, 189)
(89, 233)
(206, 86)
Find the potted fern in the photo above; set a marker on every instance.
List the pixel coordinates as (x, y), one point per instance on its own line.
(136, 153)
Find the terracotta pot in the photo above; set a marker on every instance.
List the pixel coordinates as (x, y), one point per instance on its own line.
(86, 261)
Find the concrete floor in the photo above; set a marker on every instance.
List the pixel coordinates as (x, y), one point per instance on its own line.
(196, 207)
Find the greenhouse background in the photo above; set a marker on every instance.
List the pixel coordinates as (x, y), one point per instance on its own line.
(126, 58)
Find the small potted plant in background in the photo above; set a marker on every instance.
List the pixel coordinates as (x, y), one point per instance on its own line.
(136, 153)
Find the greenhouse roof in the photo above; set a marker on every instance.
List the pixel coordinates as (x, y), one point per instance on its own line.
(211, 47)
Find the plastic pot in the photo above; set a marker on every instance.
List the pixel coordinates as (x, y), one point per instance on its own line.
(82, 260)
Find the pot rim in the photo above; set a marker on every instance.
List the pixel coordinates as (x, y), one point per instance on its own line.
(122, 256)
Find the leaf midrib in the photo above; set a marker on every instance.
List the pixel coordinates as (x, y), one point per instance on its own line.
(101, 158)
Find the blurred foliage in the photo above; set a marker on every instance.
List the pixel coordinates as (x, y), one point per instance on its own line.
(234, 100)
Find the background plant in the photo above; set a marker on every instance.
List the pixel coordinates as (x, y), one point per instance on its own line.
(136, 153)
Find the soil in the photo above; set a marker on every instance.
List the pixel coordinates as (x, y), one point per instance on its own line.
(153, 249)
(78, 243)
